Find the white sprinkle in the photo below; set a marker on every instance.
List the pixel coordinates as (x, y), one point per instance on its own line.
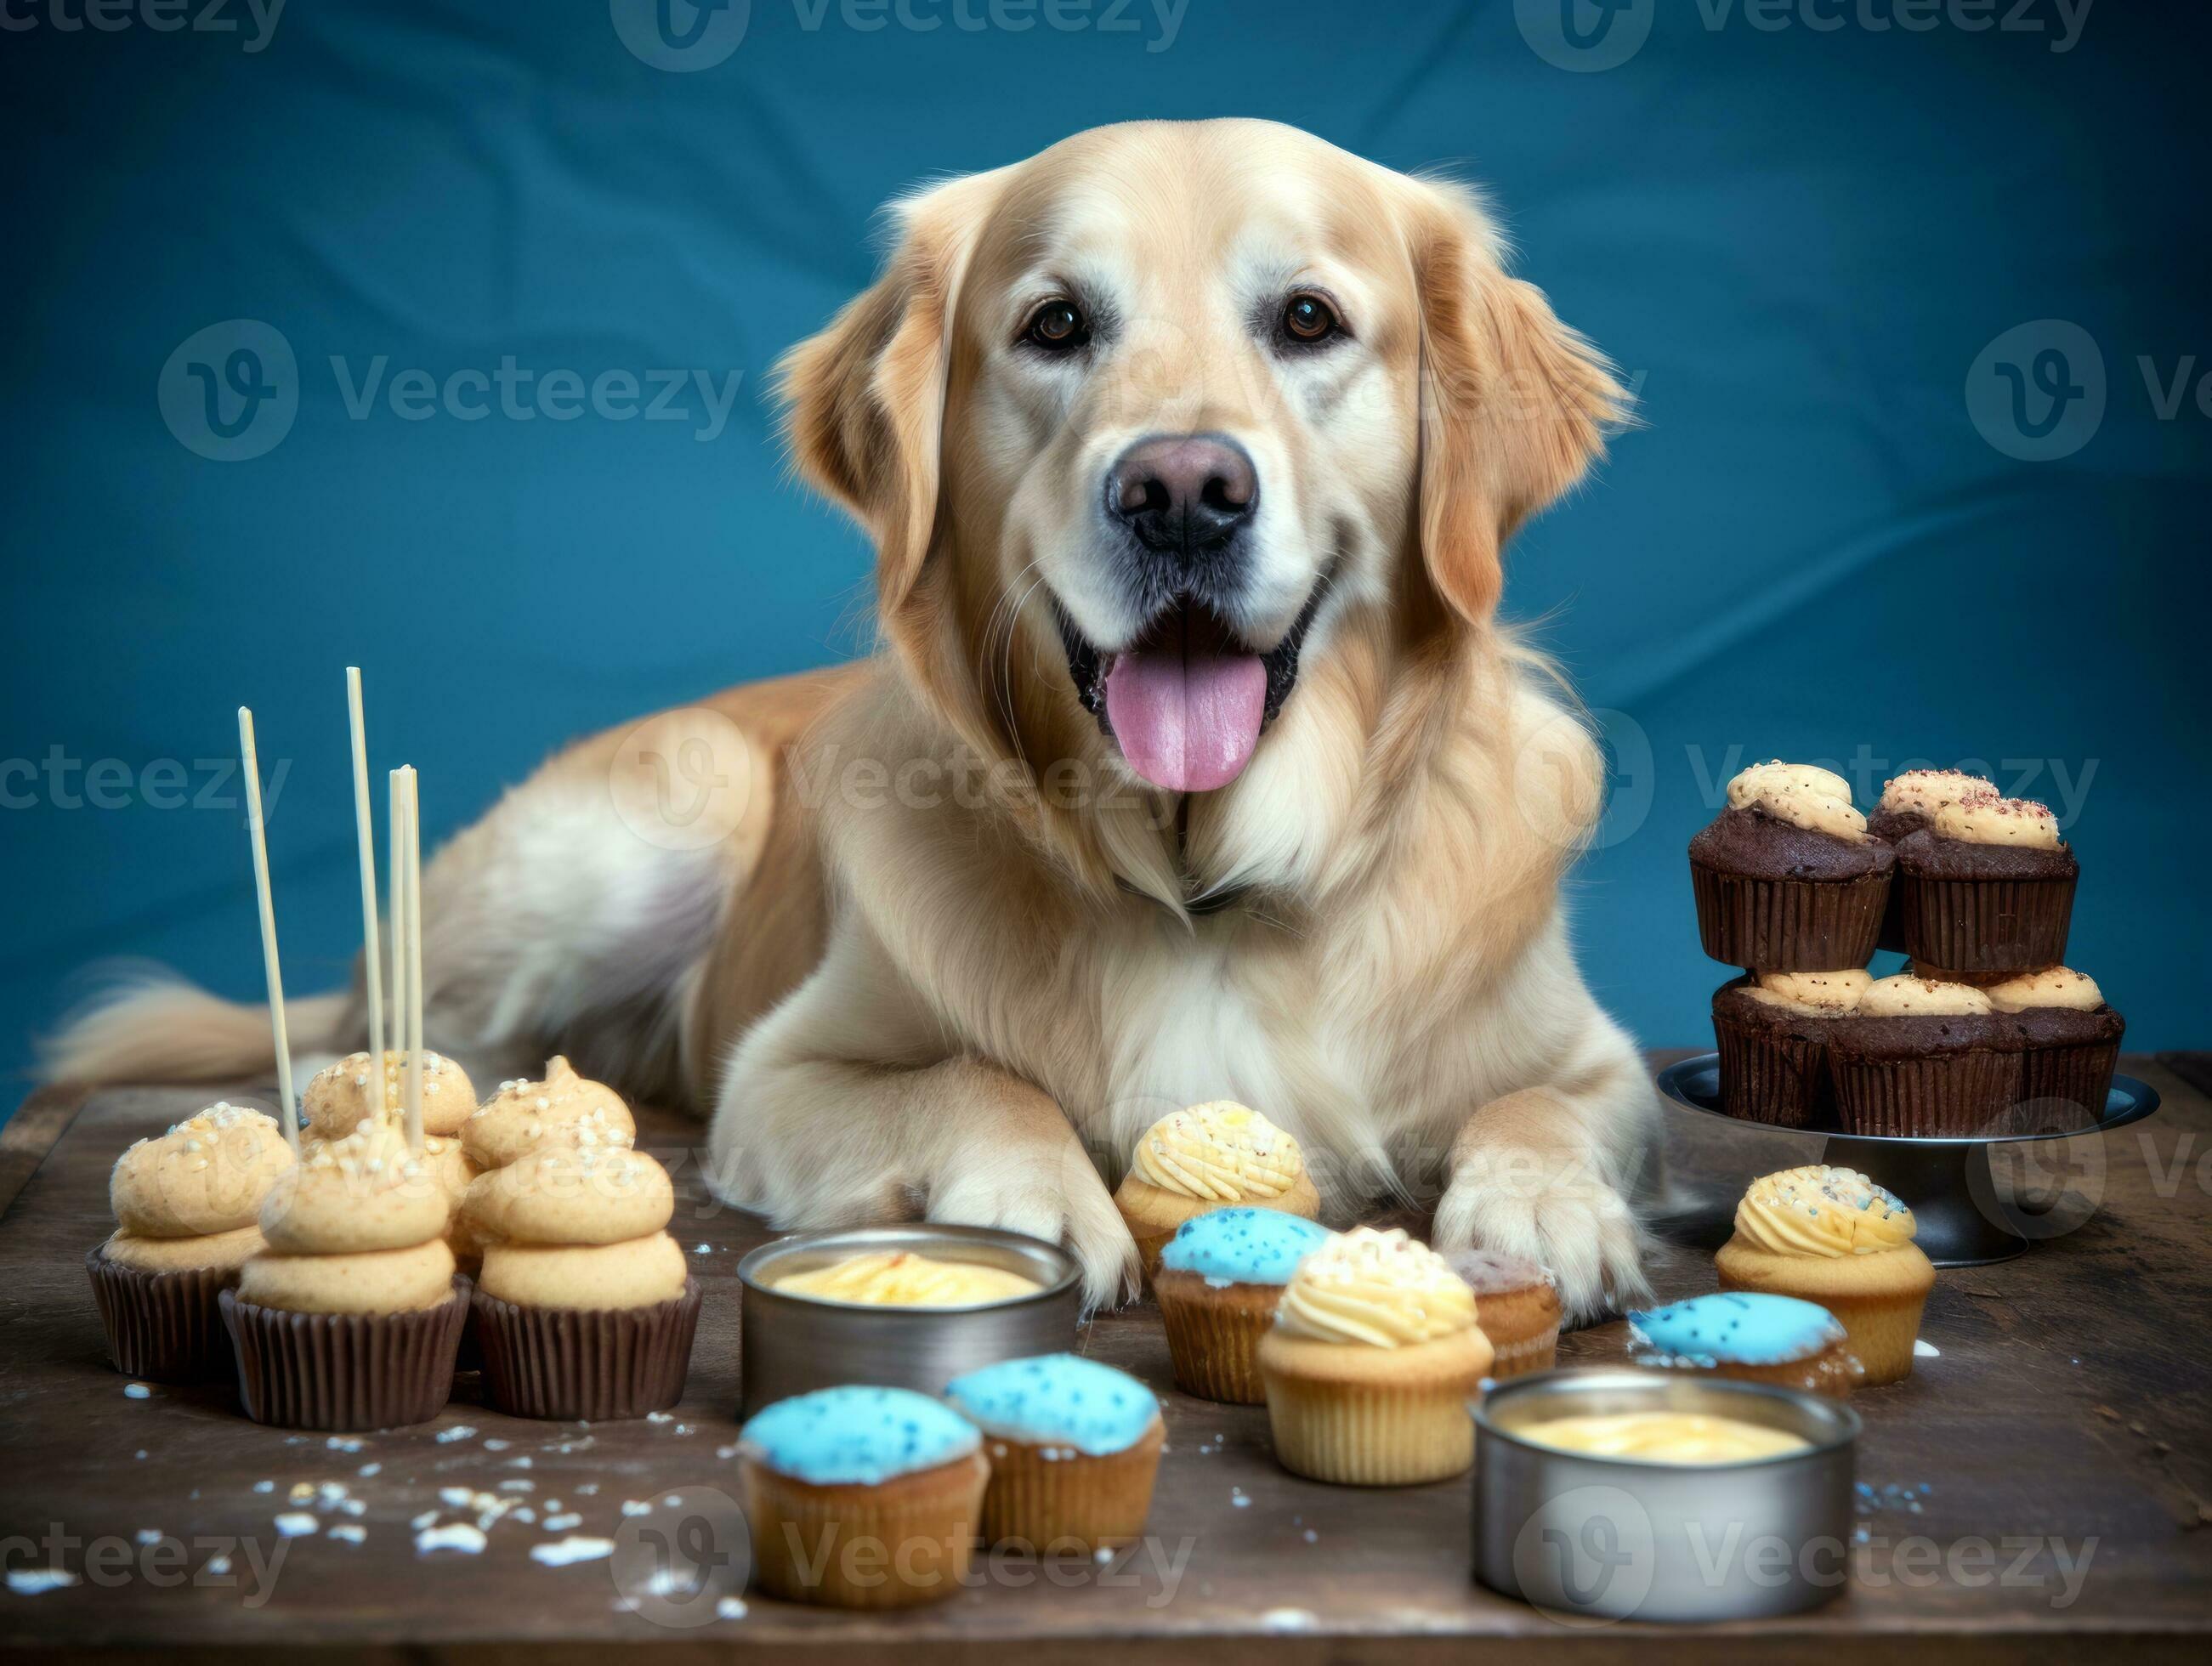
(589, 1489)
(343, 1443)
(454, 1535)
(702, 1251)
(423, 1520)
(559, 1553)
(1102, 1555)
(659, 1417)
(674, 1501)
(457, 1496)
(517, 1486)
(633, 1506)
(730, 1607)
(1925, 1350)
(149, 1536)
(563, 1521)
(368, 1470)
(351, 1532)
(264, 1487)
(140, 1455)
(458, 1431)
(218, 1564)
(523, 1462)
(1288, 1619)
(525, 1515)
(297, 1525)
(133, 1391)
(495, 1444)
(1312, 1537)
(725, 1451)
(33, 1581)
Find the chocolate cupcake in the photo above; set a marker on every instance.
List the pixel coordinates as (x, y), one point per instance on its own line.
(1772, 1030)
(1787, 878)
(1987, 886)
(1924, 1061)
(584, 1307)
(352, 1318)
(1909, 803)
(186, 1206)
(2069, 1043)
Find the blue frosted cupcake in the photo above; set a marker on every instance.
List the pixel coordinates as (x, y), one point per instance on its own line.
(1218, 1280)
(1075, 1446)
(1750, 1335)
(862, 1498)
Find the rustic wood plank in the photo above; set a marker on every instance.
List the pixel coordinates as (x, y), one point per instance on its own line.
(2071, 1398)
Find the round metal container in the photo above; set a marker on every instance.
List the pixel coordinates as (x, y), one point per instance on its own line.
(795, 1344)
(1595, 1540)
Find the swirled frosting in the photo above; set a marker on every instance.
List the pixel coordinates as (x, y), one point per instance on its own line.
(1906, 996)
(1802, 794)
(1987, 819)
(2054, 985)
(563, 1109)
(1220, 1153)
(1812, 994)
(1820, 1211)
(341, 1096)
(209, 1174)
(365, 1192)
(1381, 1289)
(903, 1278)
(1923, 792)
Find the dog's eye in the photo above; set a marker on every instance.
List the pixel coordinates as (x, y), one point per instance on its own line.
(1308, 319)
(1058, 326)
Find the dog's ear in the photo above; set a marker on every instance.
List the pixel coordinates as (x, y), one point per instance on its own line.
(863, 401)
(1513, 405)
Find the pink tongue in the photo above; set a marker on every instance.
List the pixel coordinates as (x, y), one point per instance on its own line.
(1190, 723)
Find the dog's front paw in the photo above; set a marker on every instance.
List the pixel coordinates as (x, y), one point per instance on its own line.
(1552, 1208)
(1079, 1215)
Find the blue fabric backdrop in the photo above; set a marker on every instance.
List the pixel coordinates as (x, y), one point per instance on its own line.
(1798, 227)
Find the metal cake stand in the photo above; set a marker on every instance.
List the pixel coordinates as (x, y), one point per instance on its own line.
(1965, 1218)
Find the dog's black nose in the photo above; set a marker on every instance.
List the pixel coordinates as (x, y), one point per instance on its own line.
(1187, 493)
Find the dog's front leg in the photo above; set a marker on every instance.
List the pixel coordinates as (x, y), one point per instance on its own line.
(1539, 1174)
(831, 1113)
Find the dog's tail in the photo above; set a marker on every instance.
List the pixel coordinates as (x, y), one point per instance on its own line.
(151, 1025)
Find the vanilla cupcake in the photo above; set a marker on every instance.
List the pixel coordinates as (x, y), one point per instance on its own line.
(1218, 1283)
(1749, 1336)
(186, 1207)
(341, 1097)
(350, 1318)
(564, 1110)
(1207, 1157)
(585, 1306)
(1373, 1356)
(1074, 1448)
(862, 1498)
(1919, 1059)
(1832, 1236)
(1517, 1305)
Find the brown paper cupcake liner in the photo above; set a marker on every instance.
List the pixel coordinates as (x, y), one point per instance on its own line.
(345, 1371)
(1213, 1335)
(599, 1364)
(1788, 925)
(1770, 1076)
(2076, 1078)
(851, 1546)
(1976, 926)
(162, 1327)
(1947, 1095)
(1530, 1354)
(1050, 1499)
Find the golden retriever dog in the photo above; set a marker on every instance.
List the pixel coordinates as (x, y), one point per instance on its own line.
(1194, 763)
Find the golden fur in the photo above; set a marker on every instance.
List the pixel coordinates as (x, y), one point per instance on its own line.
(951, 953)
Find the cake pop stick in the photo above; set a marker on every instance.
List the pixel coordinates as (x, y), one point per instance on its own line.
(398, 985)
(288, 1117)
(365, 837)
(414, 963)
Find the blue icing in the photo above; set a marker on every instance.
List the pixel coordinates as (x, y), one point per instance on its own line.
(1243, 1246)
(1058, 1399)
(1735, 1327)
(858, 1434)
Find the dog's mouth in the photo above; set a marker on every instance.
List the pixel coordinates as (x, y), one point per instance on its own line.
(1187, 701)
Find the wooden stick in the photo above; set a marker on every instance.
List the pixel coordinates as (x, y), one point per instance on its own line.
(413, 963)
(288, 1117)
(365, 837)
(392, 790)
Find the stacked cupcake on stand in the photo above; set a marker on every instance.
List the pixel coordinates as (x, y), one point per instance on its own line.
(1988, 1037)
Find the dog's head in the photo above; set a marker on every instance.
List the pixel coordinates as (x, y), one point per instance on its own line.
(1148, 428)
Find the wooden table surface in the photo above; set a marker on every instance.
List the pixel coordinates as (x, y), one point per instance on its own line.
(2039, 1485)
